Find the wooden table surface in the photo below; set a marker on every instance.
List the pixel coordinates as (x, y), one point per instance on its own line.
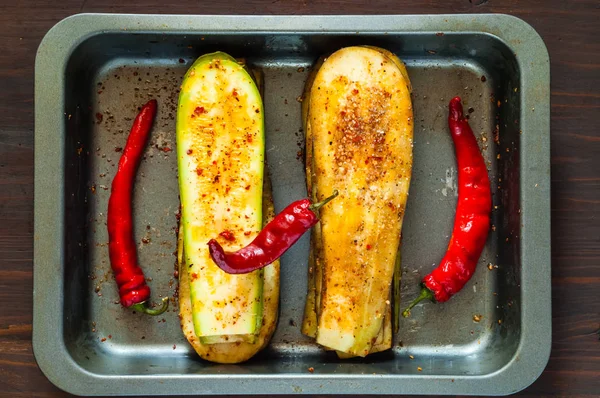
(571, 32)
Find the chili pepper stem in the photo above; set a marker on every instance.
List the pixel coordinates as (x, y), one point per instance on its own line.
(425, 294)
(142, 307)
(318, 205)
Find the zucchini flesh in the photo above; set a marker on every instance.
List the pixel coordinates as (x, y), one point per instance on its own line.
(360, 123)
(233, 352)
(220, 152)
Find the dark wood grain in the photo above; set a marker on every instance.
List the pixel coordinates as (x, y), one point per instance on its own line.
(570, 30)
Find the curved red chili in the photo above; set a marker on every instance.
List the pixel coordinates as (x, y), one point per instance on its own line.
(472, 220)
(274, 239)
(121, 245)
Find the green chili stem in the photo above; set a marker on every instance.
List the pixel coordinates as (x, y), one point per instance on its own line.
(317, 206)
(425, 294)
(142, 307)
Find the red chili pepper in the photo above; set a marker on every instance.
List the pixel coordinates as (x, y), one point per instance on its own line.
(274, 239)
(121, 245)
(472, 221)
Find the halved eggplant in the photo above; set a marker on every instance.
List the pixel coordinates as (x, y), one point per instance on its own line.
(358, 124)
(315, 271)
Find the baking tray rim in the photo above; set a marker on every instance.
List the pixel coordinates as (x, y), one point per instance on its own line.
(52, 56)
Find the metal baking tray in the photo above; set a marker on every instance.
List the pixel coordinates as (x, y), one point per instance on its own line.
(93, 71)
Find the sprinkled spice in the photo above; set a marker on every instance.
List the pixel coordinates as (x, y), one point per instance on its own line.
(227, 235)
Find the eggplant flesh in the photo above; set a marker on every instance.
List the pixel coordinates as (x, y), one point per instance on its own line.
(358, 123)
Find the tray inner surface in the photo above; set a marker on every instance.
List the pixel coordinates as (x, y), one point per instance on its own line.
(110, 75)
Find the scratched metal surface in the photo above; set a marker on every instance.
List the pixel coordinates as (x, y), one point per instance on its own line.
(111, 74)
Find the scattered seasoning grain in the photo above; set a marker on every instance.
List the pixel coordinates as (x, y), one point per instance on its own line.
(419, 368)
(311, 369)
(477, 318)
(227, 235)
(411, 356)
(103, 339)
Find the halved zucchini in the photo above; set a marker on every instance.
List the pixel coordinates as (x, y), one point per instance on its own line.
(220, 150)
(358, 123)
